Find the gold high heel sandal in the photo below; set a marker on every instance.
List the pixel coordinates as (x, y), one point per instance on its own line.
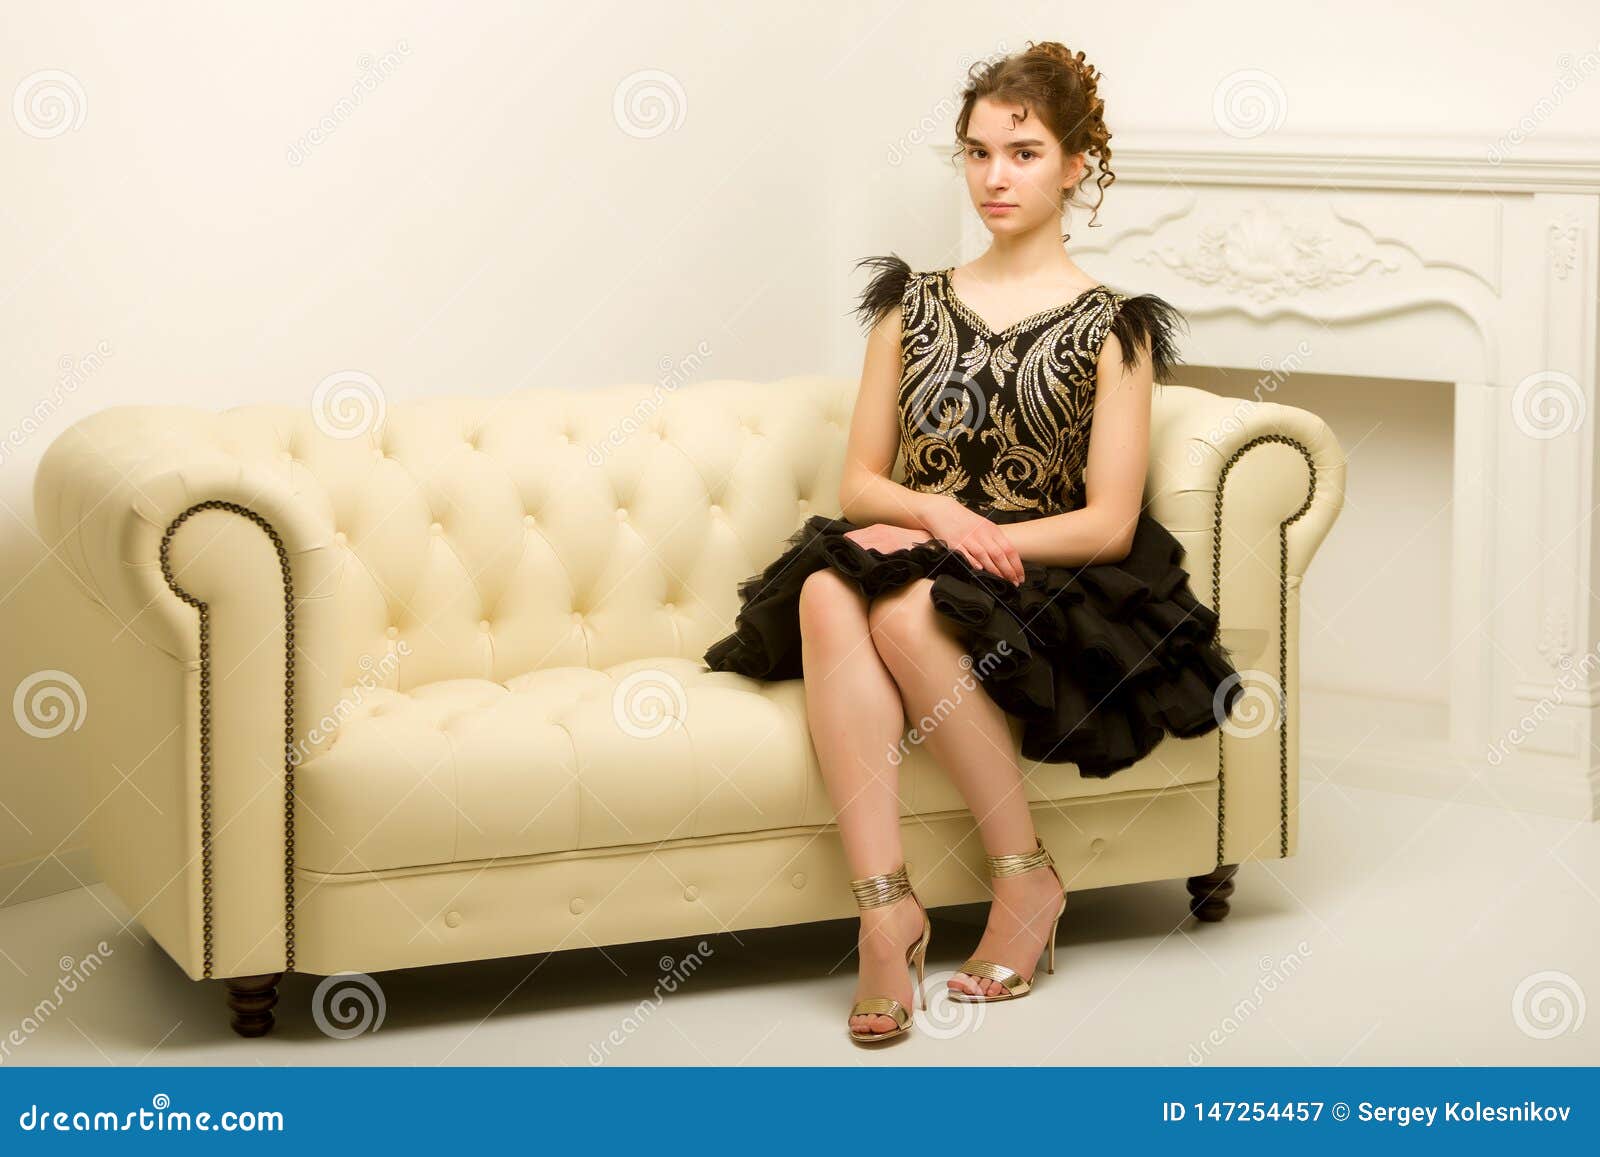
(1015, 986)
(874, 892)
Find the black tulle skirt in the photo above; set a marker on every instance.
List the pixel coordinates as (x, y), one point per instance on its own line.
(1100, 662)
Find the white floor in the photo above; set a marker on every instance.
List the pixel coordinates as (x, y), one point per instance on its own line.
(1406, 931)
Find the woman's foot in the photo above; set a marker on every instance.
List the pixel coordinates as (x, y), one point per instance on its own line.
(1020, 919)
(885, 934)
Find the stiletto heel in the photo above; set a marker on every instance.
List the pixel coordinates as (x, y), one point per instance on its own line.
(1011, 980)
(873, 892)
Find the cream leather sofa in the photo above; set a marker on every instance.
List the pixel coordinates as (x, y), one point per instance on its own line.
(432, 690)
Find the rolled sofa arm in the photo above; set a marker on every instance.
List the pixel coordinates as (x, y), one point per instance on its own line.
(221, 569)
(1250, 489)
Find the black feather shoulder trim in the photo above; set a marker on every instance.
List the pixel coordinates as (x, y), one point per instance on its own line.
(884, 291)
(1147, 324)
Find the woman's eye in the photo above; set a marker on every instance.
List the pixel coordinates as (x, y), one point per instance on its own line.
(1025, 153)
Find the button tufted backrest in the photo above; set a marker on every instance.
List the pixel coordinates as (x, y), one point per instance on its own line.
(485, 537)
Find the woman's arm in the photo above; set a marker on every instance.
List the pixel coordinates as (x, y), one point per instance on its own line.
(1114, 476)
(867, 494)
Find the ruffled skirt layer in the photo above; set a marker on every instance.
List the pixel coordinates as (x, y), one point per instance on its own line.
(1098, 661)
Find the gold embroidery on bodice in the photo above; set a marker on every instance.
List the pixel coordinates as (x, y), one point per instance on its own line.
(999, 420)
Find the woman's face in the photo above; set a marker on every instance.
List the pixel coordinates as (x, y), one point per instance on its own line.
(1016, 169)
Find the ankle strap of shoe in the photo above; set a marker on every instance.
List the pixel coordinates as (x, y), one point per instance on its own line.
(1019, 862)
(875, 891)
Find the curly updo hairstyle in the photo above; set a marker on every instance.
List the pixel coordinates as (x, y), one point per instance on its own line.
(1062, 88)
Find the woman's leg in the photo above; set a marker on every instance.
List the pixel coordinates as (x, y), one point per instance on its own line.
(854, 713)
(971, 739)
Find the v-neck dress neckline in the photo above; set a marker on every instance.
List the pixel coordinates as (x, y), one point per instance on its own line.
(989, 333)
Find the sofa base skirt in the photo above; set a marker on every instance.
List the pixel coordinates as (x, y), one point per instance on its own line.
(405, 918)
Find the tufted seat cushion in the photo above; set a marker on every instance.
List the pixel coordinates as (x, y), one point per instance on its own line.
(568, 759)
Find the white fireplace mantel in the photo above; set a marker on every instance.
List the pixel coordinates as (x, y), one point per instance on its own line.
(1425, 260)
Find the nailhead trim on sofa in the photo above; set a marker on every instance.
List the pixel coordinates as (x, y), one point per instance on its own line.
(1283, 633)
(205, 723)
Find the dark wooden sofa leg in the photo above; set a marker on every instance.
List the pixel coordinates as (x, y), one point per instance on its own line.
(1208, 894)
(252, 999)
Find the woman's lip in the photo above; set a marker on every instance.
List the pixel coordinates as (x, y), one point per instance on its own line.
(998, 205)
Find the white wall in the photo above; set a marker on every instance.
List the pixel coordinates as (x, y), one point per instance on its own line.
(479, 221)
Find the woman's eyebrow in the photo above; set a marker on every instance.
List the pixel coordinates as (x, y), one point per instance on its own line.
(1030, 143)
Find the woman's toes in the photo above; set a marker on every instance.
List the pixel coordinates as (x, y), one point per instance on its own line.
(961, 982)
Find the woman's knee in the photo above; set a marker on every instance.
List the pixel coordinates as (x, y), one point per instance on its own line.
(899, 619)
(827, 596)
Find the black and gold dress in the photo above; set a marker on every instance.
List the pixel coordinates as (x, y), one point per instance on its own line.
(1099, 661)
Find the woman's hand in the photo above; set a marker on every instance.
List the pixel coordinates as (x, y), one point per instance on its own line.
(882, 536)
(982, 542)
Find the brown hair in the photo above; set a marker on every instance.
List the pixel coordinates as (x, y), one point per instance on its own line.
(1062, 88)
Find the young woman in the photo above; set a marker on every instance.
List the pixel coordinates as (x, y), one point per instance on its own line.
(1017, 549)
